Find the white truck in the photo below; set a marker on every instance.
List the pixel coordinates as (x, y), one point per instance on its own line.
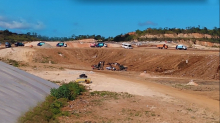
(126, 46)
(181, 47)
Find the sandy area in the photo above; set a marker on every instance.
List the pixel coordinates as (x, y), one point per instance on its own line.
(100, 82)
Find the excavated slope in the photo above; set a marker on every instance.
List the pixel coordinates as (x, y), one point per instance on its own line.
(179, 63)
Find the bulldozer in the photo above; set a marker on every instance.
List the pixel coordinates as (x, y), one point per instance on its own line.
(100, 66)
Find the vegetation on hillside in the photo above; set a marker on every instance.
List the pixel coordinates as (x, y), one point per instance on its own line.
(214, 33)
(50, 109)
(7, 36)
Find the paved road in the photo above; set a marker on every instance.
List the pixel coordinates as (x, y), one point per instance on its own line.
(20, 91)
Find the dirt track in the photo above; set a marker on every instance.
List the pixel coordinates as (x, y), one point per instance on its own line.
(161, 66)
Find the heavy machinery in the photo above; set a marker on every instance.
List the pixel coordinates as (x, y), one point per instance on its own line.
(162, 46)
(83, 78)
(116, 67)
(100, 66)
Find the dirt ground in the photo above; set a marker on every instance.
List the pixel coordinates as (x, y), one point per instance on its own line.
(160, 94)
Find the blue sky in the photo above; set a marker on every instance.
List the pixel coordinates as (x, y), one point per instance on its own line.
(63, 18)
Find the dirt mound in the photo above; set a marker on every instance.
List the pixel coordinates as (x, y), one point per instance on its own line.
(46, 45)
(19, 53)
(77, 45)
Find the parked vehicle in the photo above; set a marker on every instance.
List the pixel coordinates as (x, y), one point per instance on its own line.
(7, 45)
(40, 43)
(19, 44)
(126, 46)
(181, 47)
(92, 45)
(101, 45)
(162, 46)
(61, 44)
(98, 45)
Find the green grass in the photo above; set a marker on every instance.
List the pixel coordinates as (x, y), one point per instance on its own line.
(50, 109)
(108, 94)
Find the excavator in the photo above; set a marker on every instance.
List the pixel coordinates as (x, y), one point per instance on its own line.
(100, 66)
(116, 67)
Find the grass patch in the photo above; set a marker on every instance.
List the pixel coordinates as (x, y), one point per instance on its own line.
(50, 109)
(108, 94)
(14, 62)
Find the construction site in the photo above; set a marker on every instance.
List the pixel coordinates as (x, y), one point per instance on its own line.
(168, 85)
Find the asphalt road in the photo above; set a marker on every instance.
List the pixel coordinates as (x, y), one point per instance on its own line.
(20, 91)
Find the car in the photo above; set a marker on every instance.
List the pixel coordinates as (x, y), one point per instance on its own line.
(126, 46)
(82, 76)
(19, 44)
(40, 43)
(101, 45)
(61, 44)
(181, 47)
(7, 45)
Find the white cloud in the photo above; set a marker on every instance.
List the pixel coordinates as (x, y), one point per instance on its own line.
(19, 24)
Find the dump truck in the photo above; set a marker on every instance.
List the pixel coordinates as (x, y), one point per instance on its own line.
(162, 46)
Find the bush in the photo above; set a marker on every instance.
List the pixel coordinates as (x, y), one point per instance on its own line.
(69, 91)
(50, 109)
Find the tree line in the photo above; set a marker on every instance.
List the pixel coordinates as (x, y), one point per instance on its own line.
(8, 36)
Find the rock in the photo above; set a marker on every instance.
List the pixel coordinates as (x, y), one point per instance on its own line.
(192, 83)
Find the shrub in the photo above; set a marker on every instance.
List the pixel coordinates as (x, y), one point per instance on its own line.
(50, 109)
(69, 91)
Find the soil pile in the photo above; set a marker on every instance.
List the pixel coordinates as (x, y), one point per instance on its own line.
(46, 45)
